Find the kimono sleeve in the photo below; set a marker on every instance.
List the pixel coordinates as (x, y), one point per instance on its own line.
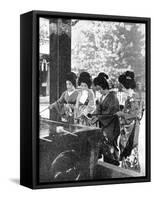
(91, 104)
(61, 100)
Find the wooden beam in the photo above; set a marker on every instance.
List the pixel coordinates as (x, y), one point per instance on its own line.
(60, 56)
(107, 170)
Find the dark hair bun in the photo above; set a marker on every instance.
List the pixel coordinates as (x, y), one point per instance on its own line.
(71, 76)
(85, 74)
(127, 80)
(103, 75)
(85, 78)
(101, 80)
(129, 74)
(122, 78)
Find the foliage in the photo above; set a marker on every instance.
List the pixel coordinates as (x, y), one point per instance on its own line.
(112, 47)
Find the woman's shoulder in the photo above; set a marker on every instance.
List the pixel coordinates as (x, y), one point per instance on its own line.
(76, 91)
(64, 93)
(90, 94)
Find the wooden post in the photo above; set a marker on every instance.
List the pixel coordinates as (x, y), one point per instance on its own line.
(53, 30)
(60, 56)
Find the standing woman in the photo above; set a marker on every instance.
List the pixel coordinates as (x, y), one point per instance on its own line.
(107, 107)
(63, 108)
(85, 103)
(130, 119)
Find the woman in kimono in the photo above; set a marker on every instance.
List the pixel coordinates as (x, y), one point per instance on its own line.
(106, 111)
(130, 119)
(63, 108)
(85, 103)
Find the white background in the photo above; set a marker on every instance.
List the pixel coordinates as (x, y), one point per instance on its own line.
(9, 98)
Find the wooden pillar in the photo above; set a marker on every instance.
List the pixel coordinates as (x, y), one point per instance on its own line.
(60, 56)
(53, 29)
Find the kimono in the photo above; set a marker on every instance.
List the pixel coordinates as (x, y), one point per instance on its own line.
(85, 105)
(109, 122)
(63, 108)
(130, 133)
(108, 106)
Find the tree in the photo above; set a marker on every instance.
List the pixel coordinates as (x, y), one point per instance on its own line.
(111, 47)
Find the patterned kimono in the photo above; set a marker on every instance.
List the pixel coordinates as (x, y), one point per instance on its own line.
(63, 108)
(85, 105)
(110, 125)
(130, 133)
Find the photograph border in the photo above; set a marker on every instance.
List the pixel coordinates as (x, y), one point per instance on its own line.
(29, 96)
